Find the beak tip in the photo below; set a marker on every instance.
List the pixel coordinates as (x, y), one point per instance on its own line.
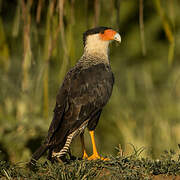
(117, 37)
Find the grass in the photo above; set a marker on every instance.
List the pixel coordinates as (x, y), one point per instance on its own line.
(119, 167)
(144, 108)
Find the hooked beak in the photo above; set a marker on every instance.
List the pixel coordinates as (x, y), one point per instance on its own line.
(117, 37)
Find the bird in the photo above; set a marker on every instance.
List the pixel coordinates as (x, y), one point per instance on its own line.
(82, 96)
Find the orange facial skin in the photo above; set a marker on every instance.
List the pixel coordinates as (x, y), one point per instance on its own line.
(108, 35)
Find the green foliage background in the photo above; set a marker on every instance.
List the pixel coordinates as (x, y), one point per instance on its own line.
(39, 42)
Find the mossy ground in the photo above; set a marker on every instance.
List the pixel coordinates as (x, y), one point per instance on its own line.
(119, 167)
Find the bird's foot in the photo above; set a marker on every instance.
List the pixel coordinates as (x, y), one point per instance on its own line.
(85, 156)
(96, 156)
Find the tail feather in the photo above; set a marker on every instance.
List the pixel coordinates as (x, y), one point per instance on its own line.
(39, 152)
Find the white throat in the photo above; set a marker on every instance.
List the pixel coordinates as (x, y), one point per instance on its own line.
(97, 47)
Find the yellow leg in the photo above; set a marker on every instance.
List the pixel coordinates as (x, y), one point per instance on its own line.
(95, 154)
(85, 156)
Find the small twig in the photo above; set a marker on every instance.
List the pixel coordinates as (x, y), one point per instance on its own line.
(7, 175)
(64, 45)
(167, 29)
(97, 12)
(26, 7)
(38, 14)
(61, 26)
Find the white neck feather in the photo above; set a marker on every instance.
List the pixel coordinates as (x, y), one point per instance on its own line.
(97, 47)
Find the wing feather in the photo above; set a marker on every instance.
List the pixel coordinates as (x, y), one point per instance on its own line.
(82, 95)
(59, 110)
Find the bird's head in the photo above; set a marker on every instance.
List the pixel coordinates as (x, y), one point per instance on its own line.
(96, 40)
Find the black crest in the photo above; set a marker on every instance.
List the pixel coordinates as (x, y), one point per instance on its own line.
(96, 30)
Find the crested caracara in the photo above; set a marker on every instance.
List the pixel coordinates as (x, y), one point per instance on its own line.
(84, 92)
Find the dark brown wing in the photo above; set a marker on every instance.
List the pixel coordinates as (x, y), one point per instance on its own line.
(81, 97)
(60, 107)
(91, 90)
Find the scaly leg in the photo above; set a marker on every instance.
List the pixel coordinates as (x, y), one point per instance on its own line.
(95, 154)
(85, 156)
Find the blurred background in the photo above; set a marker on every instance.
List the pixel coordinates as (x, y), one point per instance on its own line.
(41, 40)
